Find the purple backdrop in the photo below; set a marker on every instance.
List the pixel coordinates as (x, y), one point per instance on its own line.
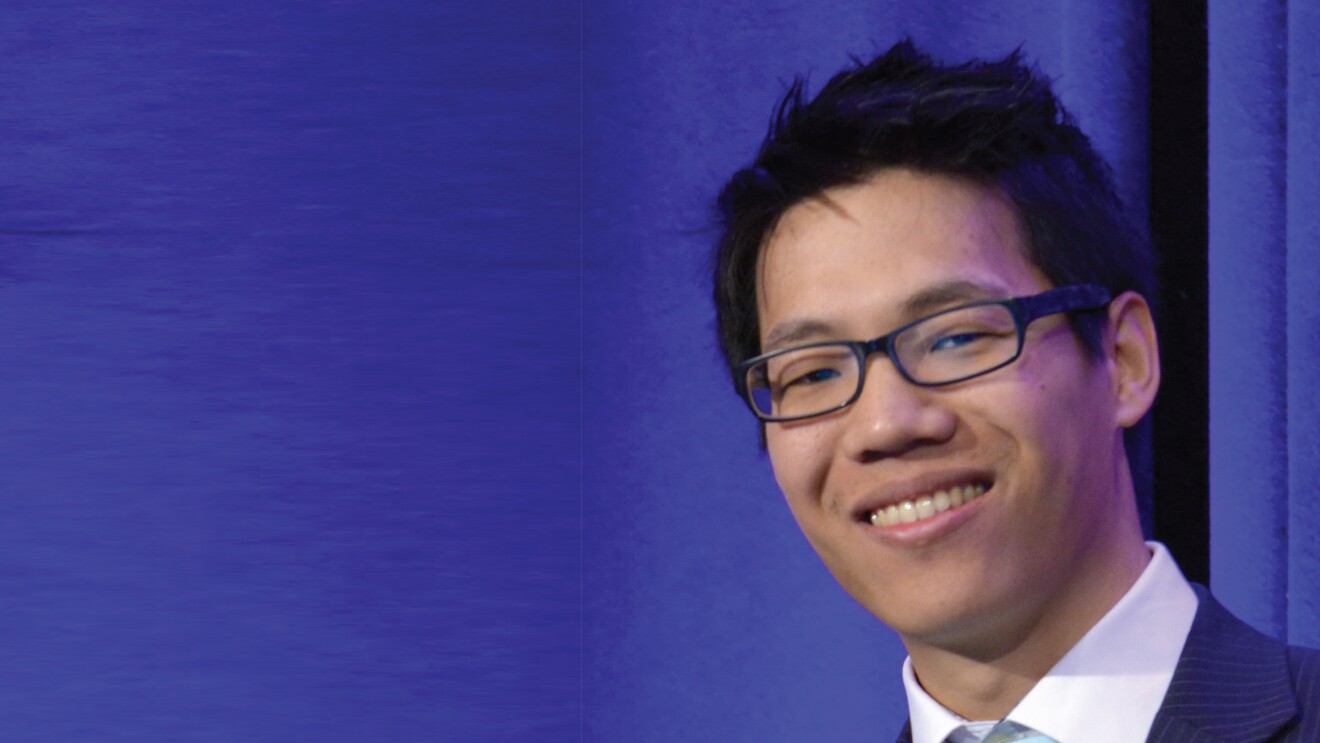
(290, 298)
(362, 383)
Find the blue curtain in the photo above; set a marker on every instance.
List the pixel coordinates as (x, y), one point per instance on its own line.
(1264, 256)
(291, 329)
(341, 335)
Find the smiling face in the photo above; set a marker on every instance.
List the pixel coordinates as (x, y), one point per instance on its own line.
(1005, 504)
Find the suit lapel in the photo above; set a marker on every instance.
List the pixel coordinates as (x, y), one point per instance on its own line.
(1232, 684)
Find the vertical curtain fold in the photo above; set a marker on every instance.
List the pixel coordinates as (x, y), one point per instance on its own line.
(1303, 244)
(1264, 258)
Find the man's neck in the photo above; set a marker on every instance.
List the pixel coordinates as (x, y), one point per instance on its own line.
(984, 675)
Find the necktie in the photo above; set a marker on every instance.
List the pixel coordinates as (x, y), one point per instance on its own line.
(1007, 731)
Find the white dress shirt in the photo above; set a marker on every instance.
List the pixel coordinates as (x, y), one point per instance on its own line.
(1109, 687)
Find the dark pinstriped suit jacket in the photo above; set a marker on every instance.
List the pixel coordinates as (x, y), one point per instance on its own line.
(1234, 685)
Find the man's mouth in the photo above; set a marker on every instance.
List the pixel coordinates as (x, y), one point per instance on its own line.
(926, 506)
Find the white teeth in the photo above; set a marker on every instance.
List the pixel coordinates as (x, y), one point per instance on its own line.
(907, 512)
(943, 500)
(925, 508)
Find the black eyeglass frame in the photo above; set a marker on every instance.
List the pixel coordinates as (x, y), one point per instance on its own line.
(1025, 310)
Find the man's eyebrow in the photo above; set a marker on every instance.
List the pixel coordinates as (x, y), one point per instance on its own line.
(794, 331)
(929, 300)
(939, 296)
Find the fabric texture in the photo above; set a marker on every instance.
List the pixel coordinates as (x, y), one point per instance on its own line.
(1264, 262)
(1011, 732)
(1235, 685)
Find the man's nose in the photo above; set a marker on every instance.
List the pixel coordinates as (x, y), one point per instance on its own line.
(892, 416)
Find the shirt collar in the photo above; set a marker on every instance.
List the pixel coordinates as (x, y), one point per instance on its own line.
(1124, 662)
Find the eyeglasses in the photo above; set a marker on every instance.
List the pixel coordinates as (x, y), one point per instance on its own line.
(950, 346)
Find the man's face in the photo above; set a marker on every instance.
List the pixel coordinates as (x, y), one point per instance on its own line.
(1042, 436)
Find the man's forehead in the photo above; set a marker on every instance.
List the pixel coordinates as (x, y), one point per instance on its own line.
(920, 241)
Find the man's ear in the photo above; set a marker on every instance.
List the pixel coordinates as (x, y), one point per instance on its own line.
(1134, 357)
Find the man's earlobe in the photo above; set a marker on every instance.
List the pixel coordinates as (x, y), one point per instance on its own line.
(1134, 357)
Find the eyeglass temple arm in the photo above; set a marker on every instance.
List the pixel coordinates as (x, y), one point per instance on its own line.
(1064, 299)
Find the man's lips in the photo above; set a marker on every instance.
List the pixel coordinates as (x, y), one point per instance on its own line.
(910, 511)
(922, 498)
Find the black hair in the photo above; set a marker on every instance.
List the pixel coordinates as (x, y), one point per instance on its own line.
(996, 123)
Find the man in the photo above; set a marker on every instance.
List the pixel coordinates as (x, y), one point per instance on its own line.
(928, 292)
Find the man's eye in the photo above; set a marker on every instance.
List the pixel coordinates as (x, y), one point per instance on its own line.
(956, 340)
(815, 376)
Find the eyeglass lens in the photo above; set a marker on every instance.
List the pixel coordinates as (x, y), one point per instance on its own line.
(943, 348)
